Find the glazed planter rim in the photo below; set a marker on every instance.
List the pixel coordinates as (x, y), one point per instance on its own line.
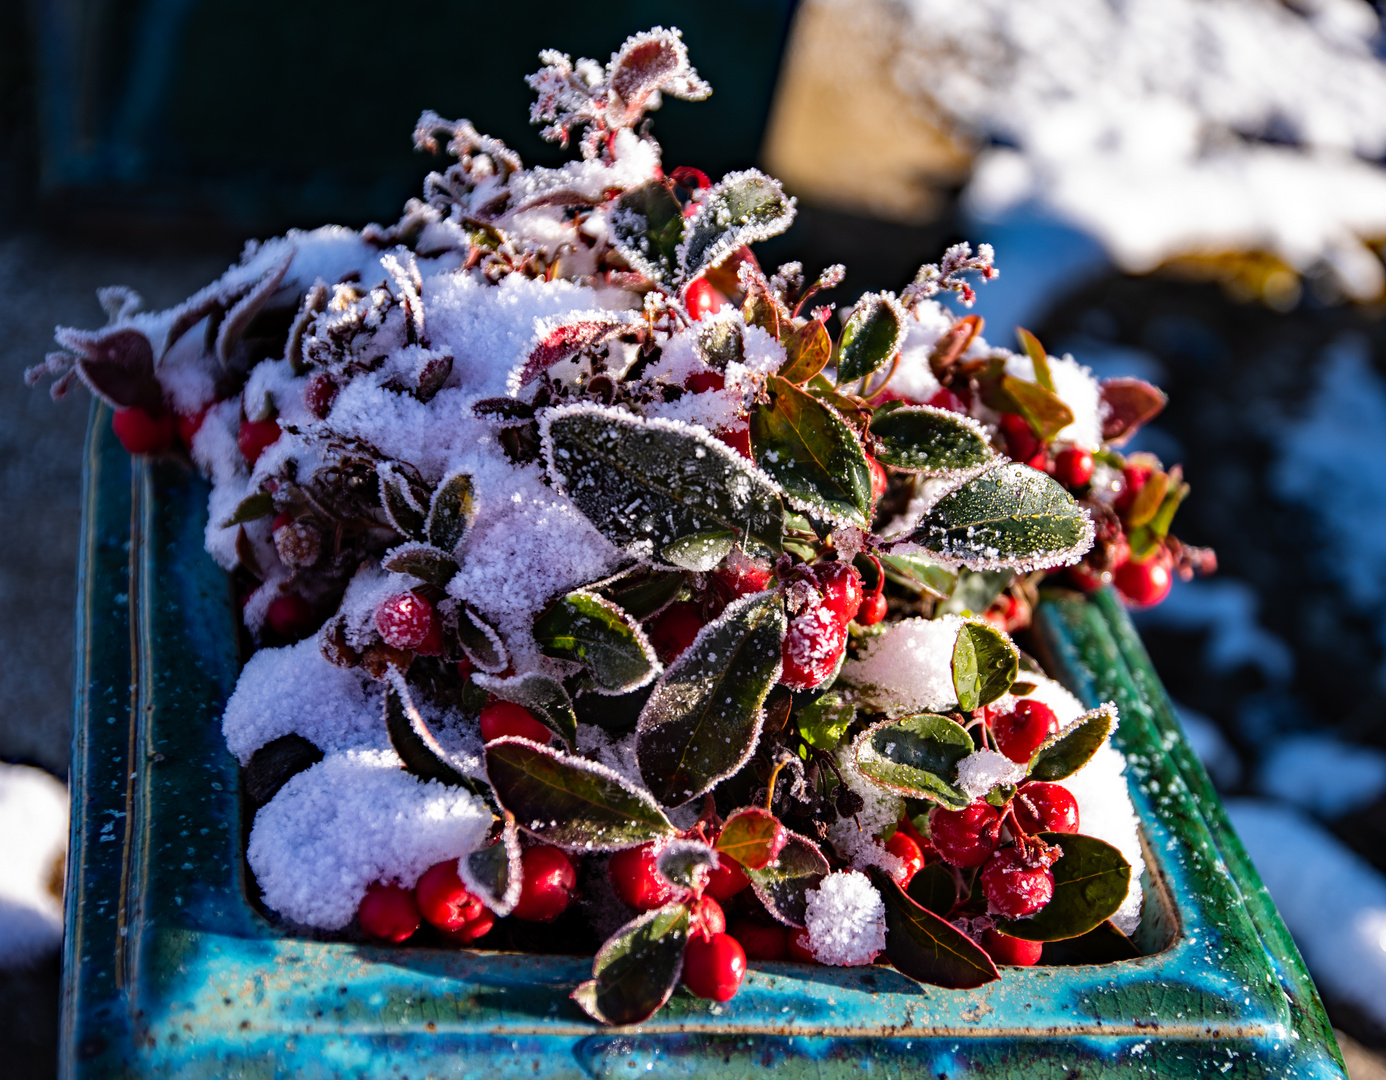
(170, 970)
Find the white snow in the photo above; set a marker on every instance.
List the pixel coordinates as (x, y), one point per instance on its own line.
(983, 770)
(1332, 901)
(855, 838)
(1105, 812)
(33, 843)
(845, 919)
(909, 668)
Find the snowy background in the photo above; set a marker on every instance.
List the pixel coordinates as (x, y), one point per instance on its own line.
(1190, 191)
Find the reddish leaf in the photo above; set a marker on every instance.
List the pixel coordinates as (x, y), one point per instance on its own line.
(753, 837)
(117, 365)
(566, 341)
(949, 348)
(1128, 404)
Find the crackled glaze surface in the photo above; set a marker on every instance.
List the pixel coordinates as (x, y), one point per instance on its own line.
(170, 971)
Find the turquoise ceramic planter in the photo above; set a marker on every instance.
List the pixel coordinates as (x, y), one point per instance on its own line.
(171, 972)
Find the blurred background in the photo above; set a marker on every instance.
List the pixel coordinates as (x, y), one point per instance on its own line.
(1189, 191)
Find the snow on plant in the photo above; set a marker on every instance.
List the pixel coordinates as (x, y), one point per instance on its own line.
(572, 541)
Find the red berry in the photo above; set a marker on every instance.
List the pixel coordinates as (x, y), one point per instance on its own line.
(1045, 807)
(945, 399)
(1015, 951)
(674, 629)
(742, 579)
(465, 667)
(702, 299)
(703, 381)
(501, 718)
(1013, 888)
(388, 913)
(143, 432)
(320, 393)
(1021, 441)
(706, 917)
(1084, 577)
(405, 620)
(189, 425)
(797, 945)
(813, 644)
(1073, 467)
(289, 615)
(739, 440)
(965, 837)
(1019, 734)
(872, 610)
(761, 942)
(840, 583)
(714, 968)
(1144, 584)
(432, 644)
(255, 437)
(727, 880)
(879, 479)
(1134, 478)
(445, 902)
(908, 852)
(547, 883)
(633, 875)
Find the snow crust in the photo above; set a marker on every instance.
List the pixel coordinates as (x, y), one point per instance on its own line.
(845, 919)
(910, 666)
(33, 842)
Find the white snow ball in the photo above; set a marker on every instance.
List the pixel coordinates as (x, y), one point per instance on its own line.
(33, 841)
(983, 770)
(352, 819)
(909, 668)
(845, 918)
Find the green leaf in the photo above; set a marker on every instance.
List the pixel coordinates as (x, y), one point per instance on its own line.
(647, 484)
(935, 889)
(811, 452)
(1045, 412)
(700, 551)
(917, 756)
(919, 575)
(401, 499)
(422, 561)
(637, 969)
(646, 593)
(481, 643)
(1012, 516)
(646, 228)
(450, 512)
(928, 948)
(543, 696)
(703, 719)
(743, 208)
(495, 873)
(975, 591)
(985, 663)
(783, 885)
(590, 630)
(1062, 755)
(874, 333)
(1035, 351)
(807, 352)
(753, 837)
(569, 801)
(721, 342)
(415, 744)
(823, 724)
(685, 862)
(1103, 944)
(1091, 880)
(257, 505)
(934, 442)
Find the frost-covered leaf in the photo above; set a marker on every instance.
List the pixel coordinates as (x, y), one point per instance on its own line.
(242, 314)
(647, 593)
(783, 885)
(874, 333)
(116, 365)
(1103, 944)
(685, 863)
(416, 746)
(917, 756)
(927, 947)
(556, 341)
(592, 631)
(1012, 516)
(637, 969)
(807, 352)
(256, 505)
(813, 454)
(721, 342)
(742, 208)
(919, 575)
(753, 837)
(450, 512)
(931, 441)
(700, 550)
(402, 500)
(569, 801)
(1128, 404)
(949, 348)
(985, 664)
(823, 724)
(934, 888)
(543, 696)
(422, 561)
(1062, 755)
(646, 484)
(1091, 880)
(1045, 412)
(653, 61)
(481, 643)
(702, 722)
(646, 227)
(494, 873)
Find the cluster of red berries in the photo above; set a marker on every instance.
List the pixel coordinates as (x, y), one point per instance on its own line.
(1142, 582)
(152, 431)
(817, 635)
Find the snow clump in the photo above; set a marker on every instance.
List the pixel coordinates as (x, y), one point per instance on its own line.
(845, 918)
